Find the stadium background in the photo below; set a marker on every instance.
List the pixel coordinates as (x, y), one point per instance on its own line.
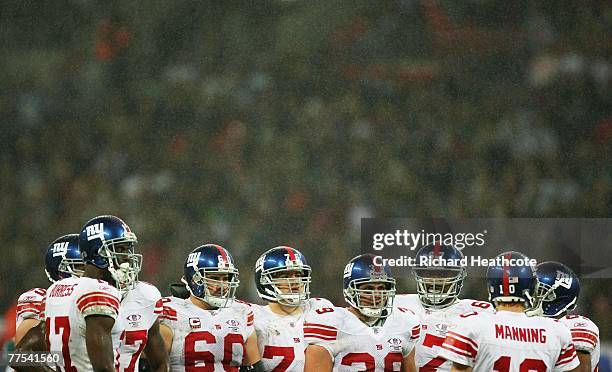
(255, 124)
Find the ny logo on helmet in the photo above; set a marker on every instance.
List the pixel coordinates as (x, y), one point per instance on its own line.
(192, 259)
(260, 262)
(563, 280)
(60, 249)
(95, 231)
(348, 269)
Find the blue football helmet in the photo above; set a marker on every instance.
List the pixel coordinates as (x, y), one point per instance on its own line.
(108, 243)
(63, 258)
(512, 283)
(371, 303)
(203, 268)
(282, 275)
(558, 288)
(439, 275)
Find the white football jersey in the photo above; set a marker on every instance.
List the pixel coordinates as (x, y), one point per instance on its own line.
(281, 337)
(206, 338)
(585, 335)
(508, 341)
(355, 346)
(68, 302)
(139, 309)
(434, 325)
(31, 305)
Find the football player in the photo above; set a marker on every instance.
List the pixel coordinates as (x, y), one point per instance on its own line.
(140, 308)
(62, 260)
(558, 290)
(282, 278)
(209, 329)
(369, 335)
(81, 314)
(437, 302)
(508, 339)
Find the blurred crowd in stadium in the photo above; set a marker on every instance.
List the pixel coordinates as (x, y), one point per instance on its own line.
(253, 125)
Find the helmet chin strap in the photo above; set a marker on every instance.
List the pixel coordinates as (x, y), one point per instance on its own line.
(123, 276)
(290, 299)
(374, 316)
(371, 312)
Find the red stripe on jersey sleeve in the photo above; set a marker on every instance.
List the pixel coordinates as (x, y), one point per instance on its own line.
(460, 345)
(591, 337)
(35, 307)
(567, 355)
(454, 350)
(250, 318)
(168, 313)
(577, 340)
(99, 303)
(319, 326)
(159, 307)
(97, 298)
(416, 332)
(320, 331)
(317, 337)
(464, 339)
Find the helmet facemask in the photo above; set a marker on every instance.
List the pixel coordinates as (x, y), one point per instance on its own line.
(291, 285)
(72, 267)
(68, 268)
(371, 302)
(216, 287)
(123, 264)
(439, 287)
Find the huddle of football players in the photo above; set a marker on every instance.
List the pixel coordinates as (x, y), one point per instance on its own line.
(100, 317)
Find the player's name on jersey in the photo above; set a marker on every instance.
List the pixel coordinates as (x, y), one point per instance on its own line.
(445, 262)
(505, 332)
